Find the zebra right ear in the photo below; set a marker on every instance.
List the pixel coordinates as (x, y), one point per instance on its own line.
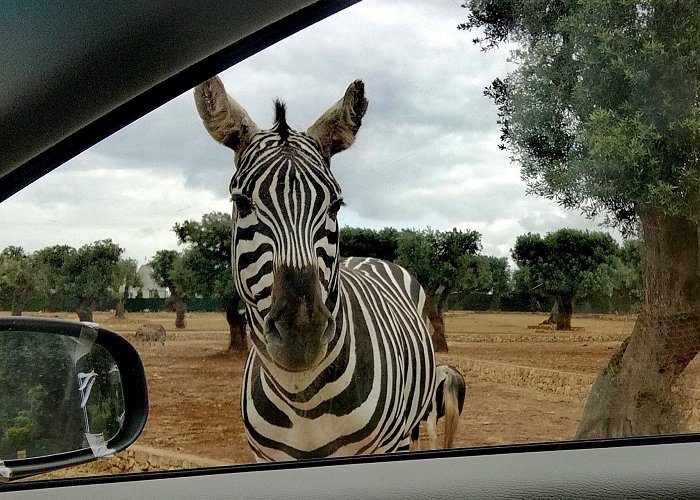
(225, 120)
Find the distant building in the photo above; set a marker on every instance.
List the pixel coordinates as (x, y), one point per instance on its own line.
(149, 288)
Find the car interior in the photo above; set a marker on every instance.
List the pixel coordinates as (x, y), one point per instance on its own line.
(77, 73)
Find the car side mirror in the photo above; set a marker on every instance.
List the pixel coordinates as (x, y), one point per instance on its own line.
(70, 393)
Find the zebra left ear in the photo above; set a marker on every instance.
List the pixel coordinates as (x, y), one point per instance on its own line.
(335, 130)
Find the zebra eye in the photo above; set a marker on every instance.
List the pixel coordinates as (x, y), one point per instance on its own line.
(334, 207)
(244, 205)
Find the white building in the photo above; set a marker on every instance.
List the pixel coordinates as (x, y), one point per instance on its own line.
(149, 288)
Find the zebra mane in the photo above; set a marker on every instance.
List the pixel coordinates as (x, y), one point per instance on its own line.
(281, 126)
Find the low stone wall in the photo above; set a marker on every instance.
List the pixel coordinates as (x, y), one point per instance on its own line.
(139, 458)
(567, 385)
(180, 335)
(541, 337)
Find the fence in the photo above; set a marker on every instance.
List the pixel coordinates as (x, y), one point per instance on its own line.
(523, 302)
(60, 304)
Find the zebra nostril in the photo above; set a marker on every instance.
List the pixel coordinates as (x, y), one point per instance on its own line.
(328, 332)
(272, 334)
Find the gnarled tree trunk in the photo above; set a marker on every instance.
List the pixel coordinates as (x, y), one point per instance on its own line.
(19, 301)
(17, 308)
(84, 311)
(176, 302)
(119, 308)
(180, 310)
(565, 309)
(121, 300)
(437, 322)
(236, 323)
(632, 395)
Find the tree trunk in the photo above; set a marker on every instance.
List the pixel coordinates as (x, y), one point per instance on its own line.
(17, 308)
(438, 324)
(49, 303)
(119, 308)
(84, 311)
(633, 395)
(180, 310)
(565, 309)
(19, 301)
(552, 314)
(236, 324)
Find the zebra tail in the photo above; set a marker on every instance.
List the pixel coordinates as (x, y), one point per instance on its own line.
(452, 411)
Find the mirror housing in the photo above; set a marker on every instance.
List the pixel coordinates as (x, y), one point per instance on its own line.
(81, 338)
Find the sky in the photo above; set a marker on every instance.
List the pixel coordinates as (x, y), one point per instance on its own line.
(426, 156)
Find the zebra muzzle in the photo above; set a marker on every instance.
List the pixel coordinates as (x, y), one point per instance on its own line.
(299, 326)
(279, 331)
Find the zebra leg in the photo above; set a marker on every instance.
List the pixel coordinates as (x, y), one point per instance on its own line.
(415, 438)
(405, 444)
(431, 426)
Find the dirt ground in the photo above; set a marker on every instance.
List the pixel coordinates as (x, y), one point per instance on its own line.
(194, 383)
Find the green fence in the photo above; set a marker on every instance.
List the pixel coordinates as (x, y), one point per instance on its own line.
(59, 304)
(457, 301)
(193, 305)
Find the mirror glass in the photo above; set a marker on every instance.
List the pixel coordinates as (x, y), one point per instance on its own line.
(58, 393)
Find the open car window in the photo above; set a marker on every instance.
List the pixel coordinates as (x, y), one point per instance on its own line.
(538, 307)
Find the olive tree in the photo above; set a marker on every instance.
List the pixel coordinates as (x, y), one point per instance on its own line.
(602, 113)
(17, 278)
(209, 258)
(363, 242)
(171, 270)
(125, 276)
(88, 274)
(439, 260)
(51, 274)
(566, 264)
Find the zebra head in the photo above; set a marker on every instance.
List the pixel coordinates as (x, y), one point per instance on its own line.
(285, 229)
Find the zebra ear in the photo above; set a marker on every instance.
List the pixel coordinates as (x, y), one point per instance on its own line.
(335, 130)
(225, 120)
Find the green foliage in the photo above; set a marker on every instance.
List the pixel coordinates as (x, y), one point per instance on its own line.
(209, 255)
(105, 403)
(362, 242)
(39, 407)
(566, 263)
(89, 272)
(51, 273)
(183, 275)
(602, 111)
(79, 278)
(442, 261)
(124, 276)
(17, 277)
(501, 282)
(162, 265)
(174, 270)
(629, 278)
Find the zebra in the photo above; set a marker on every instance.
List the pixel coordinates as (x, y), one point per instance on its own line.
(341, 361)
(447, 401)
(151, 333)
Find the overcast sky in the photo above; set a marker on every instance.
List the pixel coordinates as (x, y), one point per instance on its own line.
(426, 154)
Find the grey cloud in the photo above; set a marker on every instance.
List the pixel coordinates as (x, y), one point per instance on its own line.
(426, 155)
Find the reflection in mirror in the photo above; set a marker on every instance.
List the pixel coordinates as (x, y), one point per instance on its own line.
(59, 394)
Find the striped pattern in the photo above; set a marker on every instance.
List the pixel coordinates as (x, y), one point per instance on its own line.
(377, 377)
